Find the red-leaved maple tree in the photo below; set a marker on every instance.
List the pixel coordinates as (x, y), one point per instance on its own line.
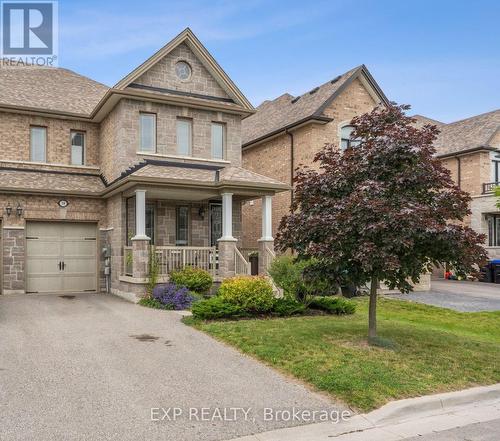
(384, 210)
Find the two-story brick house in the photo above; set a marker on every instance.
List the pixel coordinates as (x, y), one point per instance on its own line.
(470, 149)
(91, 175)
(288, 131)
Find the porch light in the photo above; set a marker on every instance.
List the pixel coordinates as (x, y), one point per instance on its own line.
(8, 209)
(19, 210)
(201, 213)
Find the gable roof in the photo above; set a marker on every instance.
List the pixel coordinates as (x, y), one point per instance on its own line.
(466, 135)
(287, 111)
(49, 89)
(188, 37)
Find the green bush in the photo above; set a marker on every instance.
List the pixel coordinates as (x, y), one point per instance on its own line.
(216, 308)
(288, 273)
(252, 293)
(151, 302)
(194, 279)
(333, 305)
(286, 307)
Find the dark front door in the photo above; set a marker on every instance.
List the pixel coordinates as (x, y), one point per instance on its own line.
(215, 223)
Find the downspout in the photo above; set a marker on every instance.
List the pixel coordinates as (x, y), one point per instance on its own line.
(292, 160)
(459, 172)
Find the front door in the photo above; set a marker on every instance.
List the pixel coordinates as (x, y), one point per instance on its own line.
(215, 223)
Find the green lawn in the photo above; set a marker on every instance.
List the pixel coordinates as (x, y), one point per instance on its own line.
(431, 350)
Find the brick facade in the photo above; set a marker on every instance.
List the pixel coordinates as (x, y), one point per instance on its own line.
(273, 157)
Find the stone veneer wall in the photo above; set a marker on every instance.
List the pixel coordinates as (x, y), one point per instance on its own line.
(13, 260)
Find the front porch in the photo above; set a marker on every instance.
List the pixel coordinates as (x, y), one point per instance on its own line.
(189, 232)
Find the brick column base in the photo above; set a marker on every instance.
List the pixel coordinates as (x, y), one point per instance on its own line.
(264, 259)
(140, 258)
(226, 257)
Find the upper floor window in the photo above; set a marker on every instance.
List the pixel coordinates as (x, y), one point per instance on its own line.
(38, 144)
(148, 132)
(184, 137)
(218, 141)
(346, 140)
(77, 148)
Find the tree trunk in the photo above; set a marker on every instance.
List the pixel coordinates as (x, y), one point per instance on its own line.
(372, 310)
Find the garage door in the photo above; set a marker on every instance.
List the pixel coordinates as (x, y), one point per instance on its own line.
(61, 257)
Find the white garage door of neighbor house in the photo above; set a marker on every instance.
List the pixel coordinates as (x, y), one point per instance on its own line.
(61, 257)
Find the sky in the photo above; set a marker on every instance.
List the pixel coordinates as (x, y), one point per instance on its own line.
(441, 57)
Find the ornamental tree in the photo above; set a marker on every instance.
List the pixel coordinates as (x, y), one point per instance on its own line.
(384, 210)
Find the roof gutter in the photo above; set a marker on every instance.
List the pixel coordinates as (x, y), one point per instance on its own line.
(468, 151)
(286, 129)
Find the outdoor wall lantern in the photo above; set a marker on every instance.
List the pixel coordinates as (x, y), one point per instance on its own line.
(201, 212)
(8, 209)
(19, 210)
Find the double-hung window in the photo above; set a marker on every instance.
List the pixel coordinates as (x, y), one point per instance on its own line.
(147, 133)
(38, 144)
(218, 140)
(77, 148)
(184, 137)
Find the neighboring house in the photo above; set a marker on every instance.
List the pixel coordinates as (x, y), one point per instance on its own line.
(470, 149)
(289, 131)
(91, 175)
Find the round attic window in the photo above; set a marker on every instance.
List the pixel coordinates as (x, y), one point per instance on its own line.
(183, 70)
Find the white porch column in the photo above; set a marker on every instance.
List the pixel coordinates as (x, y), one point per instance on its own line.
(140, 215)
(227, 243)
(267, 219)
(227, 216)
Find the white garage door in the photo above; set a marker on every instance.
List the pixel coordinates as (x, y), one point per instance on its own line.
(61, 257)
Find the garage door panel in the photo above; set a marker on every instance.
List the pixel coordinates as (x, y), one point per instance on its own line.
(79, 248)
(48, 244)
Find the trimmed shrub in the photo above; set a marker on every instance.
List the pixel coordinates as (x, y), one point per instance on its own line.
(173, 296)
(216, 308)
(287, 307)
(195, 279)
(252, 293)
(153, 303)
(333, 305)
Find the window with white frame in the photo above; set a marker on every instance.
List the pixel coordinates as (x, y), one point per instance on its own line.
(77, 148)
(38, 144)
(493, 230)
(182, 226)
(346, 140)
(184, 136)
(218, 140)
(148, 132)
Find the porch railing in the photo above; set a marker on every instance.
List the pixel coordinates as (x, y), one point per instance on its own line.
(241, 265)
(128, 260)
(489, 187)
(175, 258)
(267, 258)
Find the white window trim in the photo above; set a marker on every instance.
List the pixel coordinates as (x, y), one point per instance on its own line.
(155, 146)
(191, 130)
(224, 142)
(31, 144)
(84, 147)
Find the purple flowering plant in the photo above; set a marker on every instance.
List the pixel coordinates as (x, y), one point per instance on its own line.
(173, 296)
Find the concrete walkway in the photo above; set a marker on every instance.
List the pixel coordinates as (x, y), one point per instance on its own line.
(92, 367)
(460, 296)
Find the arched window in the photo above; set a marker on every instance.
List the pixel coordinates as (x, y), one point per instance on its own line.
(346, 140)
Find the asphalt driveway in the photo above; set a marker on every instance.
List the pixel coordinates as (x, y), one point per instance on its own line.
(460, 296)
(92, 367)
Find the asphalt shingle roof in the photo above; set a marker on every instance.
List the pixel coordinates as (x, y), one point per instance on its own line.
(53, 89)
(286, 110)
(465, 134)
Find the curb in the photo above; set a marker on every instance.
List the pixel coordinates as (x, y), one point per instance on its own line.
(402, 409)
